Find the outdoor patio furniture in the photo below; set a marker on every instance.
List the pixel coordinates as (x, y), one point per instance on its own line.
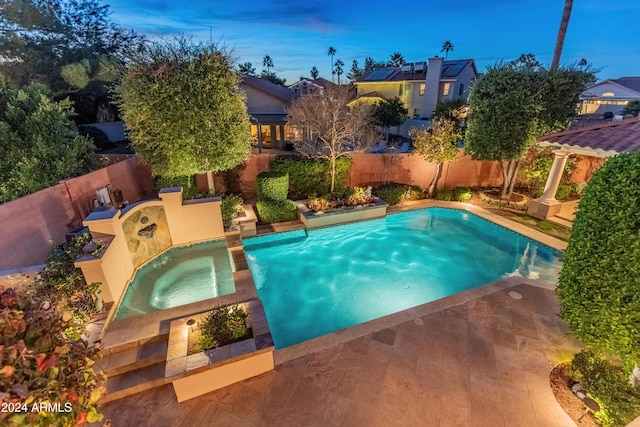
(381, 147)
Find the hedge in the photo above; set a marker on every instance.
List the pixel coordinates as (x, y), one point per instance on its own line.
(311, 176)
(272, 186)
(276, 210)
(392, 193)
(599, 285)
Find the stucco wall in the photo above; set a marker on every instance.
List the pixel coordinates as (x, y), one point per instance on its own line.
(260, 102)
(34, 224)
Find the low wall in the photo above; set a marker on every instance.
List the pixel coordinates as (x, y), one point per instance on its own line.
(32, 225)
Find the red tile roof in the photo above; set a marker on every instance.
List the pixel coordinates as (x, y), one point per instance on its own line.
(604, 139)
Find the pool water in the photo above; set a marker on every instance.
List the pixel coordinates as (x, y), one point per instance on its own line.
(313, 283)
(177, 277)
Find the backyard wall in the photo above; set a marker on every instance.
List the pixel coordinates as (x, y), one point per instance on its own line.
(34, 224)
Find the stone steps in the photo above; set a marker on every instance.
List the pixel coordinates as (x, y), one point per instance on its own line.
(136, 381)
(129, 359)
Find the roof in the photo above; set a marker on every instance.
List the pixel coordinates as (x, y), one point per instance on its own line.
(450, 70)
(269, 88)
(629, 83)
(601, 140)
(632, 83)
(320, 81)
(268, 119)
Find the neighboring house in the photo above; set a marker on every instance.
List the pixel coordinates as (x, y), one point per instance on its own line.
(419, 85)
(306, 86)
(266, 105)
(610, 95)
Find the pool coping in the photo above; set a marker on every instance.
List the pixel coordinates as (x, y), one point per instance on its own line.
(341, 336)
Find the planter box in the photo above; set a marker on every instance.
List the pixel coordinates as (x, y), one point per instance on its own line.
(210, 370)
(377, 209)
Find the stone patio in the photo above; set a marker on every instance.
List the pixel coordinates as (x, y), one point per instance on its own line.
(482, 362)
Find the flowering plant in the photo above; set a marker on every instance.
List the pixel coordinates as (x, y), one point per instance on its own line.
(350, 197)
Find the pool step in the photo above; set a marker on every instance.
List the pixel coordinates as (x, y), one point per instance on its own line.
(130, 359)
(136, 381)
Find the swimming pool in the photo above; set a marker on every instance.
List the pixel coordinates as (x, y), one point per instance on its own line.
(177, 277)
(313, 283)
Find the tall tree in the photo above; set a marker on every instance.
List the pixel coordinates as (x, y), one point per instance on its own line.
(338, 69)
(369, 64)
(247, 68)
(332, 129)
(314, 72)
(267, 62)
(390, 113)
(447, 47)
(331, 52)
(39, 37)
(355, 72)
(39, 144)
(166, 102)
(515, 102)
(396, 60)
(437, 145)
(272, 77)
(562, 32)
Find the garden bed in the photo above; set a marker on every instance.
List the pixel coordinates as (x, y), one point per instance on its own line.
(493, 197)
(376, 209)
(560, 380)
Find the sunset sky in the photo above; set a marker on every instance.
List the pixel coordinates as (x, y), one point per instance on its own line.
(297, 34)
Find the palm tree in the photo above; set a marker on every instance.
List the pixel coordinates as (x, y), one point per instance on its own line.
(314, 72)
(447, 46)
(396, 60)
(562, 32)
(331, 53)
(339, 70)
(267, 62)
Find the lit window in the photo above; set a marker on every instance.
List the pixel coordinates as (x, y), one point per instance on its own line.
(608, 94)
(422, 86)
(445, 89)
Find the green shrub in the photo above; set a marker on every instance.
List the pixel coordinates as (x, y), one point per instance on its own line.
(272, 186)
(598, 287)
(462, 194)
(311, 176)
(276, 210)
(610, 386)
(445, 194)
(392, 193)
(222, 326)
(564, 191)
(417, 193)
(231, 207)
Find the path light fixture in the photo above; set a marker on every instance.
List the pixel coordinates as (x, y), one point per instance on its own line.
(581, 393)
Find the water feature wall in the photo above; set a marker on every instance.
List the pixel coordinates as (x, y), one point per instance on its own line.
(141, 231)
(147, 234)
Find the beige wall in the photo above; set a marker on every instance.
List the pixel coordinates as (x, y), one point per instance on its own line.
(188, 222)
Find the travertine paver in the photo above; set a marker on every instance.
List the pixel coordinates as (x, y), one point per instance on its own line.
(481, 363)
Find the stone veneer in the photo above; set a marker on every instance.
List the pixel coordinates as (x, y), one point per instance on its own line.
(146, 246)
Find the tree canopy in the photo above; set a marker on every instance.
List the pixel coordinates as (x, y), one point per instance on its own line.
(331, 129)
(515, 102)
(183, 108)
(599, 287)
(437, 145)
(390, 113)
(39, 144)
(40, 37)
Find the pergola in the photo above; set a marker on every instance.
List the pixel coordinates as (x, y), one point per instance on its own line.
(601, 140)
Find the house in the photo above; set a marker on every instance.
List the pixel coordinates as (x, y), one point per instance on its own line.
(419, 85)
(266, 105)
(306, 86)
(610, 95)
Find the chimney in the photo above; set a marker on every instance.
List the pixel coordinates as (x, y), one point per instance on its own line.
(432, 86)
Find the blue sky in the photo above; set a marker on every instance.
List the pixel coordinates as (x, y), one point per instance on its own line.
(298, 34)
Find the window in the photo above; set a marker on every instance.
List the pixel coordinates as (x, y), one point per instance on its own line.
(445, 89)
(416, 113)
(461, 90)
(422, 86)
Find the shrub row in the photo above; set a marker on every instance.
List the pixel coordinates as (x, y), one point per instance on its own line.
(392, 193)
(458, 194)
(271, 211)
(311, 176)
